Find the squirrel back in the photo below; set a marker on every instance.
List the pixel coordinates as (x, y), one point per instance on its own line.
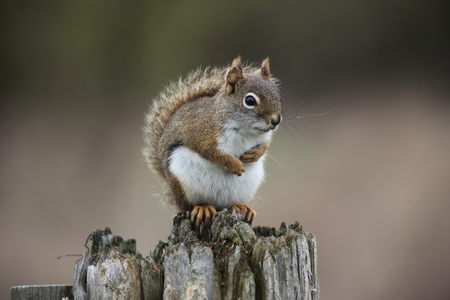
(199, 83)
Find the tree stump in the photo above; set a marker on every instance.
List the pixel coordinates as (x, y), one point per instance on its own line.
(228, 260)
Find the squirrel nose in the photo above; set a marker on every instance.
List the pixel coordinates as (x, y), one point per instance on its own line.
(275, 120)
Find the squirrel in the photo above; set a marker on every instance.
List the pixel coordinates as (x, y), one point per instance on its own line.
(207, 136)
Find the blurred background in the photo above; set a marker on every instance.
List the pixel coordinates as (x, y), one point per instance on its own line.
(371, 179)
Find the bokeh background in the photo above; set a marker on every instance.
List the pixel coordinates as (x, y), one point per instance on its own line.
(371, 179)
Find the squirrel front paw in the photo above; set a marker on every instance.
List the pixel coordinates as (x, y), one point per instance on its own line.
(235, 166)
(253, 155)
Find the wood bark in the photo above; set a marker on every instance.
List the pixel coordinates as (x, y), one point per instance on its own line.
(225, 260)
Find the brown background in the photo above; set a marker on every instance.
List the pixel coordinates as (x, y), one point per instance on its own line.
(77, 78)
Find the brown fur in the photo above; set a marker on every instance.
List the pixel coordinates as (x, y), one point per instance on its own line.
(170, 122)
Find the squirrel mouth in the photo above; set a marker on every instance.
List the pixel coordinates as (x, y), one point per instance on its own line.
(264, 130)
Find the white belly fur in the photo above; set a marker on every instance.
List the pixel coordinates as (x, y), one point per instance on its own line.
(206, 183)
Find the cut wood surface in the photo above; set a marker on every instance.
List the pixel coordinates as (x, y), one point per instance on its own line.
(47, 292)
(225, 260)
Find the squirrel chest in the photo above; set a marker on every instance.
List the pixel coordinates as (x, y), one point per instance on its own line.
(202, 180)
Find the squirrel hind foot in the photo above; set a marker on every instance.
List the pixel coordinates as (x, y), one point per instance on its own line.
(203, 213)
(248, 212)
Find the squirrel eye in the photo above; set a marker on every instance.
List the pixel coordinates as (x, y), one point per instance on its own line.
(251, 100)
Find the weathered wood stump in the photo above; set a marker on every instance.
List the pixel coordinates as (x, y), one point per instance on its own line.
(229, 260)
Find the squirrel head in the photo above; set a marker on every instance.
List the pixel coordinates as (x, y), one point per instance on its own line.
(254, 95)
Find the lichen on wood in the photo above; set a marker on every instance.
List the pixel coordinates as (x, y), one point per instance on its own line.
(224, 260)
(113, 269)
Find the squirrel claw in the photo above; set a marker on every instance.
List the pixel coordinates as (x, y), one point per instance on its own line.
(248, 212)
(239, 173)
(205, 213)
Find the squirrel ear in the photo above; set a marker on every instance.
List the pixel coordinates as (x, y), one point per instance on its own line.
(234, 75)
(265, 69)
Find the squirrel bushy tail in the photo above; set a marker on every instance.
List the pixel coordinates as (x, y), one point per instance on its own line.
(200, 83)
